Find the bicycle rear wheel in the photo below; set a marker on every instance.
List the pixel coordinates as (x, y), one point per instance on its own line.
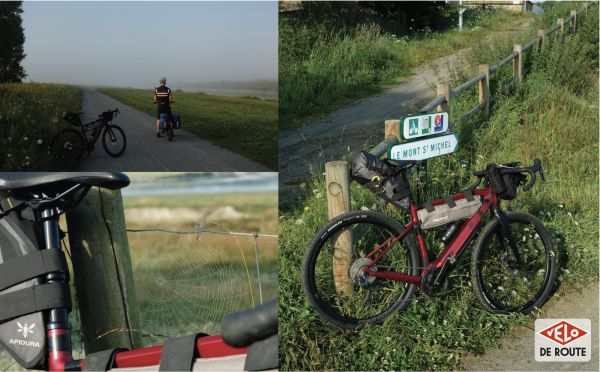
(170, 130)
(67, 145)
(113, 140)
(335, 284)
(504, 285)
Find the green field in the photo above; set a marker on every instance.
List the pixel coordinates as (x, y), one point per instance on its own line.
(201, 276)
(244, 125)
(30, 115)
(551, 115)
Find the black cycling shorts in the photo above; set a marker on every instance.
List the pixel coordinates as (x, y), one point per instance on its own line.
(160, 110)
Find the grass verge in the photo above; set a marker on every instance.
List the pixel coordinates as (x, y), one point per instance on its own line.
(30, 115)
(244, 125)
(552, 115)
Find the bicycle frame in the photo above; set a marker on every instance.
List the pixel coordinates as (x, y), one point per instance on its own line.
(96, 135)
(448, 255)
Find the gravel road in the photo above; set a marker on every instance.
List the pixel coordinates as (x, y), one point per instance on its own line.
(146, 152)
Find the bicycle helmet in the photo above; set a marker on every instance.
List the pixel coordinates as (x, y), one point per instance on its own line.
(163, 80)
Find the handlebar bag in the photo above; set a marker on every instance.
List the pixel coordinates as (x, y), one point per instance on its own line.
(379, 177)
(512, 181)
(23, 336)
(108, 115)
(439, 215)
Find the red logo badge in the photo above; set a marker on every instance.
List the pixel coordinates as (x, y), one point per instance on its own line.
(563, 333)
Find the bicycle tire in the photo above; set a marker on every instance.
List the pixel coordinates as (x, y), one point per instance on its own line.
(112, 132)
(491, 273)
(396, 296)
(170, 131)
(67, 144)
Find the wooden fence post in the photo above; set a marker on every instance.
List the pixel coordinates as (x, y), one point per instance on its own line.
(561, 22)
(444, 90)
(484, 90)
(392, 129)
(337, 183)
(542, 35)
(573, 21)
(102, 269)
(518, 63)
(585, 7)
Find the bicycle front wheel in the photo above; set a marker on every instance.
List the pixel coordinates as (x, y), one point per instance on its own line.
(506, 281)
(67, 145)
(333, 275)
(113, 140)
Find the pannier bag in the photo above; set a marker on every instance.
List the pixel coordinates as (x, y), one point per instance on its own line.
(452, 210)
(503, 185)
(176, 120)
(23, 336)
(379, 177)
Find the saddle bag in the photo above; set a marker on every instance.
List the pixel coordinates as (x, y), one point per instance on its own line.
(452, 210)
(379, 177)
(23, 296)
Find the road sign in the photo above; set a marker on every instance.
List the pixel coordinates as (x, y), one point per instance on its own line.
(424, 125)
(425, 148)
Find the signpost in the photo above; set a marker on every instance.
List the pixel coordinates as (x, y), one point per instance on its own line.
(425, 148)
(424, 125)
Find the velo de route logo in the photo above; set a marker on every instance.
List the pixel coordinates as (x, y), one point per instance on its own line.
(563, 340)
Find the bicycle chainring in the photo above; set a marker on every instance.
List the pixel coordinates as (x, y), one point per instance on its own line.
(429, 287)
(358, 275)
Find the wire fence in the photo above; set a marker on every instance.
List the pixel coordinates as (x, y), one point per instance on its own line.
(200, 229)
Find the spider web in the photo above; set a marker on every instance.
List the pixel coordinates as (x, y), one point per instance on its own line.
(190, 288)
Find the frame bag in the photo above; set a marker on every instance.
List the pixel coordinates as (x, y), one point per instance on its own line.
(22, 336)
(452, 210)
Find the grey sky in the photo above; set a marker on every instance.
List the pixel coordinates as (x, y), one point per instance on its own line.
(136, 43)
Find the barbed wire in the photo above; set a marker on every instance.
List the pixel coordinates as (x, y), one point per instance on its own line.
(199, 229)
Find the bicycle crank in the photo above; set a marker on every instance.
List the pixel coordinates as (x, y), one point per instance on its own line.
(428, 283)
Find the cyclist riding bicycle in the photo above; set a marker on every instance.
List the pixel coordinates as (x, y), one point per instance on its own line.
(163, 96)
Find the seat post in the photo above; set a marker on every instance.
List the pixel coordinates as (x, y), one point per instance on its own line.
(57, 323)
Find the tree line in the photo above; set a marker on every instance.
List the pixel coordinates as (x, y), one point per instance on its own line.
(12, 38)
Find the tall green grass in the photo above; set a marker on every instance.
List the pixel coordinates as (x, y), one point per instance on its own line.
(551, 115)
(244, 125)
(321, 68)
(30, 115)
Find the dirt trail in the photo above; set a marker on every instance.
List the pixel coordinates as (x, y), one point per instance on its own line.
(360, 125)
(516, 352)
(349, 129)
(146, 152)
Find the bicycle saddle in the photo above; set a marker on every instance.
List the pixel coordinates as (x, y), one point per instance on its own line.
(41, 180)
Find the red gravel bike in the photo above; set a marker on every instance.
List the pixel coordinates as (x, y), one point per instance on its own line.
(363, 266)
(71, 143)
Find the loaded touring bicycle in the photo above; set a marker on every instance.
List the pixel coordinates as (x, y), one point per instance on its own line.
(363, 266)
(35, 298)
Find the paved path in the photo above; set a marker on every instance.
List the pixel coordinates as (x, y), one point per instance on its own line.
(146, 152)
(516, 352)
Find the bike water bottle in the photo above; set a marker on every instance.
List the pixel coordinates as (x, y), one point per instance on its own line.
(450, 232)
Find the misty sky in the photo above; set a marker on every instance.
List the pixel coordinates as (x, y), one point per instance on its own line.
(136, 43)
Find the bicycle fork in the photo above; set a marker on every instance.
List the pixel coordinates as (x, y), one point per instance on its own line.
(504, 234)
